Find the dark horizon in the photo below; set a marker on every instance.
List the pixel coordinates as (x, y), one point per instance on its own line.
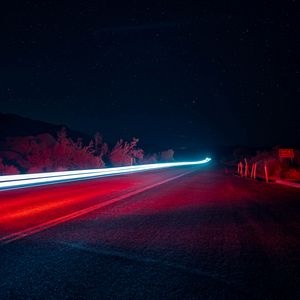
(191, 75)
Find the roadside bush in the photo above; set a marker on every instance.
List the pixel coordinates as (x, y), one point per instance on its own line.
(45, 153)
(277, 168)
(124, 153)
(293, 174)
(7, 169)
(150, 159)
(167, 155)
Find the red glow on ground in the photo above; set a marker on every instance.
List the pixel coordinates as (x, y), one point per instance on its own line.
(214, 212)
(22, 208)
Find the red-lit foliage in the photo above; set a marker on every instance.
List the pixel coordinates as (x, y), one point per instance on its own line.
(45, 153)
(167, 155)
(150, 159)
(7, 169)
(125, 153)
(277, 168)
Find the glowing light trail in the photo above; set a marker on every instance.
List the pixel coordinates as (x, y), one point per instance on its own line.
(16, 181)
(55, 174)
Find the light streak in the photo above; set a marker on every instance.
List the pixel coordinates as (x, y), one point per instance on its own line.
(56, 221)
(55, 174)
(27, 180)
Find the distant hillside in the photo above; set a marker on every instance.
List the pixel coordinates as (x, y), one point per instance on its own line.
(185, 148)
(13, 125)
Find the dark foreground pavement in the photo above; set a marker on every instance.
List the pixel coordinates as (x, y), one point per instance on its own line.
(205, 235)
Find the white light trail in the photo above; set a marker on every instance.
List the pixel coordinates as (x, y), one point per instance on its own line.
(55, 174)
(27, 180)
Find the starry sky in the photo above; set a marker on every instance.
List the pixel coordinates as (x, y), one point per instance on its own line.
(173, 73)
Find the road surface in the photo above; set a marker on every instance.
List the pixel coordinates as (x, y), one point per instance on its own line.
(181, 233)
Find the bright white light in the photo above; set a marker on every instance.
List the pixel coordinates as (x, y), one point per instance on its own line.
(14, 181)
(54, 174)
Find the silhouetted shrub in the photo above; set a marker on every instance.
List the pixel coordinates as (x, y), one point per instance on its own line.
(124, 153)
(150, 159)
(7, 169)
(45, 153)
(167, 155)
(277, 168)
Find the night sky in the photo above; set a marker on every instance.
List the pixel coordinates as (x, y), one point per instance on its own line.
(175, 73)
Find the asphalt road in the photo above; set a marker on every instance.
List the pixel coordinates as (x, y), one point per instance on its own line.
(182, 233)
